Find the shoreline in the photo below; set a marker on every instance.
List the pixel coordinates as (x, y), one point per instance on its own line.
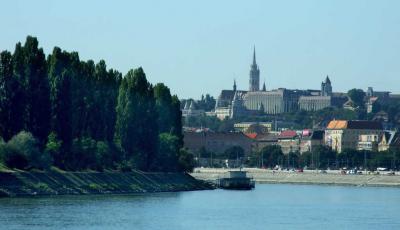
(35, 184)
(332, 178)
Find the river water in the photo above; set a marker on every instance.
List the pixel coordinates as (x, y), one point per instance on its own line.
(274, 206)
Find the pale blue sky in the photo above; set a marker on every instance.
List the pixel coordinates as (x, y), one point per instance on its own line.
(199, 47)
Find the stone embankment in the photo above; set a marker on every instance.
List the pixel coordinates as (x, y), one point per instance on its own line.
(307, 177)
(14, 184)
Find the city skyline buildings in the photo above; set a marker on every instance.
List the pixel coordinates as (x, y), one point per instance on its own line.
(196, 49)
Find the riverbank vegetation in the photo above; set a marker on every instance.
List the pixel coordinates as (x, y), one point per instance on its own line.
(322, 157)
(77, 115)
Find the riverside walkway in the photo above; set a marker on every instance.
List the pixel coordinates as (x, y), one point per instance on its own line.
(330, 177)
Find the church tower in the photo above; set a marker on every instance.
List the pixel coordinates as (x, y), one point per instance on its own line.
(254, 81)
(326, 87)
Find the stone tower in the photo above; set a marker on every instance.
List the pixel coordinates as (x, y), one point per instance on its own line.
(254, 81)
(326, 87)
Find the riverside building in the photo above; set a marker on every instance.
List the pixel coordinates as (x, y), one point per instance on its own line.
(343, 134)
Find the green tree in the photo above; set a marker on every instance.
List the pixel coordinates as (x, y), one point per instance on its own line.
(234, 152)
(136, 126)
(18, 101)
(82, 155)
(104, 157)
(23, 152)
(168, 108)
(53, 146)
(7, 82)
(186, 162)
(323, 156)
(271, 155)
(167, 157)
(37, 90)
(357, 96)
(60, 77)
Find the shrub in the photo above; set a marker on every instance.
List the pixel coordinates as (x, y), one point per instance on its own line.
(12, 158)
(185, 161)
(53, 146)
(22, 152)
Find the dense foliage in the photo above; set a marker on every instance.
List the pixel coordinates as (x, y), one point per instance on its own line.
(357, 96)
(322, 157)
(79, 115)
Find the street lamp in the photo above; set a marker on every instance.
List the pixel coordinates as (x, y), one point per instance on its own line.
(365, 162)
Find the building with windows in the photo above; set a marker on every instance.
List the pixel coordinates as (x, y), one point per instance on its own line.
(246, 127)
(237, 103)
(314, 103)
(389, 139)
(368, 142)
(310, 140)
(190, 110)
(342, 134)
(289, 141)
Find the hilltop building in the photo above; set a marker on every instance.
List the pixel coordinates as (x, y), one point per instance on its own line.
(190, 110)
(314, 103)
(326, 87)
(238, 103)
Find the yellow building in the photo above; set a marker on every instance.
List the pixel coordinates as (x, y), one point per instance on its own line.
(342, 134)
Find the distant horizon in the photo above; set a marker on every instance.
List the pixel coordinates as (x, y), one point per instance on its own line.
(196, 49)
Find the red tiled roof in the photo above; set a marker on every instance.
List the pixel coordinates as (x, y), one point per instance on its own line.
(251, 135)
(287, 134)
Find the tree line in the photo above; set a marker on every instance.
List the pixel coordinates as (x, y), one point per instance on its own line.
(323, 157)
(73, 114)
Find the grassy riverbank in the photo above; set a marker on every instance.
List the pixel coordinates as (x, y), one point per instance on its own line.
(308, 177)
(22, 183)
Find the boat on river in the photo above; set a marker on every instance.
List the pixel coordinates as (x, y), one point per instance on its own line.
(237, 180)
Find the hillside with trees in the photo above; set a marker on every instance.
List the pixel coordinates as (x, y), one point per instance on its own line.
(77, 115)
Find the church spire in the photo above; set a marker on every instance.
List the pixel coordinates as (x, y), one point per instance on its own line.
(254, 81)
(254, 56)
(234, 84)
(264, 88)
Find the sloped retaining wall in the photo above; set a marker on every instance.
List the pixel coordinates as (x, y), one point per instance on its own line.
(64, 183)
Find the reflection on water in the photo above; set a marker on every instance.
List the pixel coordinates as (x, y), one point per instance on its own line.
(266, 207)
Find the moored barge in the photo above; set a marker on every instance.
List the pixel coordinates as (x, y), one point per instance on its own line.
(237, 180)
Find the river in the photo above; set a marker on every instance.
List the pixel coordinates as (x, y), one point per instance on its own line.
(269, 206)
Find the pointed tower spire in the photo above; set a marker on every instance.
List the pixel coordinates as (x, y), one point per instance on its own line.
(264, 88)
(254, 81)
(234, 85)
(327, 80)
(254, 56)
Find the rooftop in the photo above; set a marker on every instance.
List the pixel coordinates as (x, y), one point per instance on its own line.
(288, 134)
(354, 124)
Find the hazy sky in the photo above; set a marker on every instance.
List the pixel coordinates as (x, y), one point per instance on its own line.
(199, 47)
